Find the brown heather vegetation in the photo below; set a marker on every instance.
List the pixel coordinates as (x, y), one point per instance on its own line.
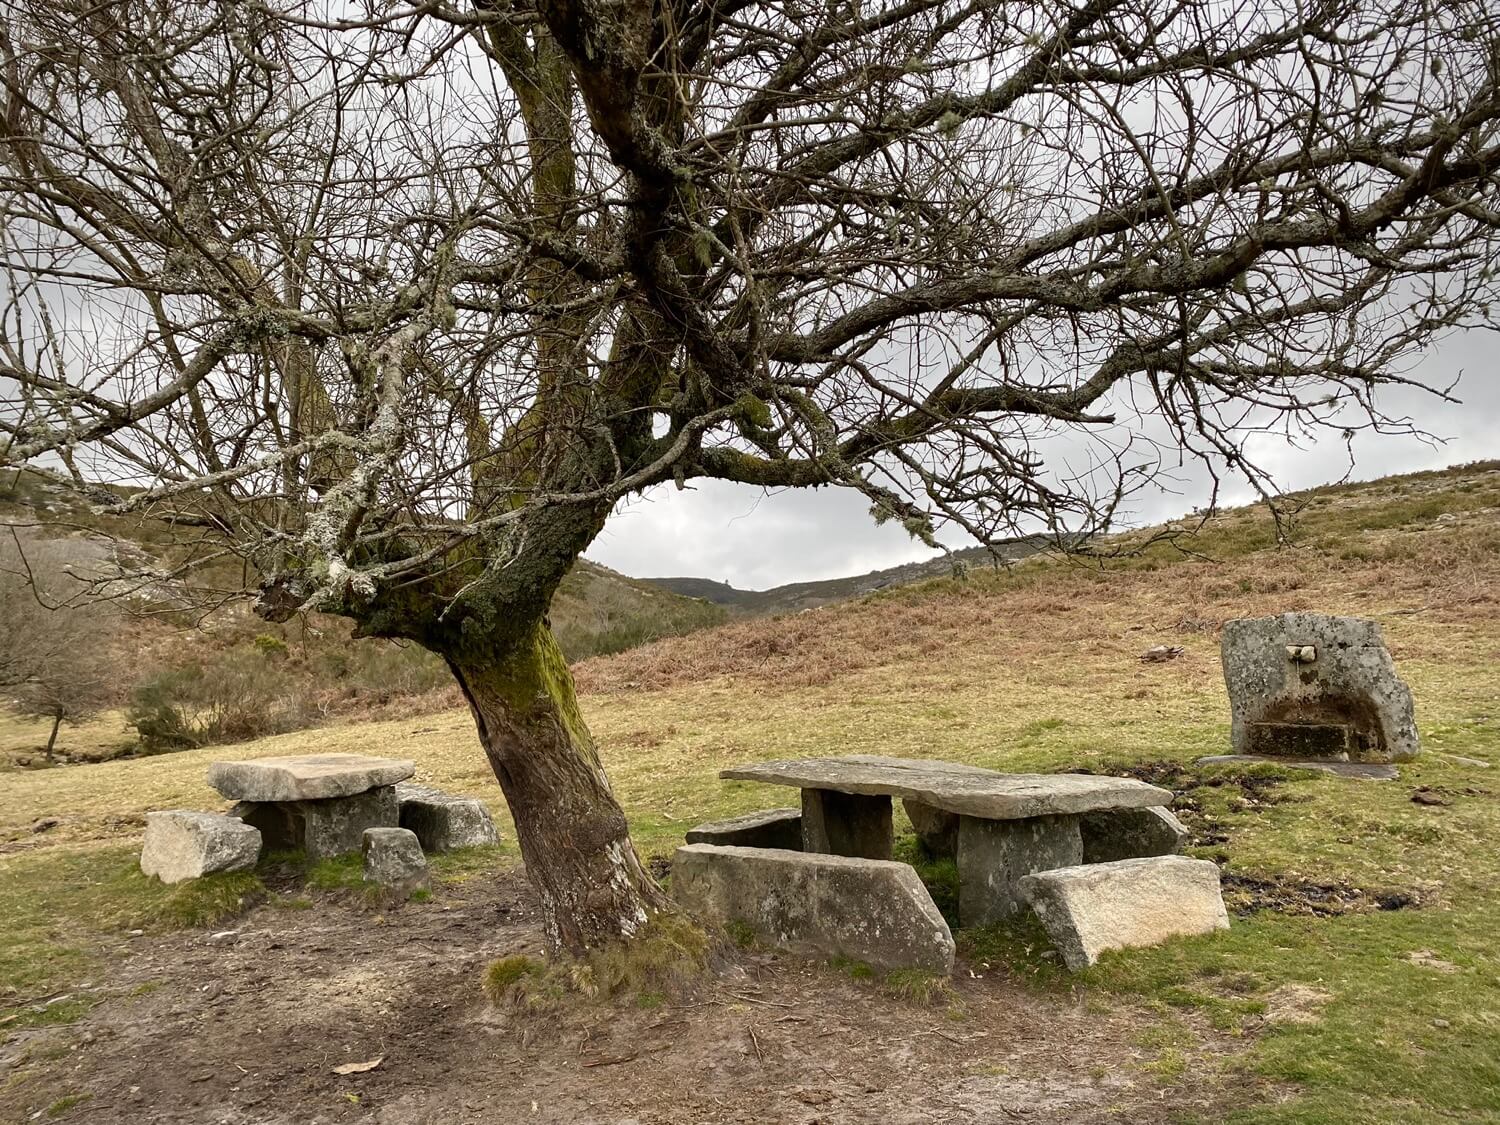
(1427, 544)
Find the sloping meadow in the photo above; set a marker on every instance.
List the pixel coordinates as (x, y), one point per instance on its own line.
(1364, 959)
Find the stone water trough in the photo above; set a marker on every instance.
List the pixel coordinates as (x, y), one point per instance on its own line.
(323, 805)
(1310, 689)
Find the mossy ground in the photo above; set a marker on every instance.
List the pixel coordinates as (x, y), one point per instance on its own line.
(1034, 669)
(665, 959)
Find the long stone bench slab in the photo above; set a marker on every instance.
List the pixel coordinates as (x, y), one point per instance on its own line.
(957, 787)
(306, 777)
(1095, 907)
(870, 910)
(768, 828)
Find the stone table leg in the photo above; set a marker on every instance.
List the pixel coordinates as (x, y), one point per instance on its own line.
(321, 829)
(835, 823)
(937, 829)
(993, 854)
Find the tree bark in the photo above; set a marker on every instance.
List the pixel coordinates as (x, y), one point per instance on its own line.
(573, 836)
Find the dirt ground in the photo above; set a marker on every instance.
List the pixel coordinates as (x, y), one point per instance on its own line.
(247, 1025)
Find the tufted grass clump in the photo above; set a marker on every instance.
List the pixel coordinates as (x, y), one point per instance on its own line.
(667, 956)
(918, 986)
(503, 978)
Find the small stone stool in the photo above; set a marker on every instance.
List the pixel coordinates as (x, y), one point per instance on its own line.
(394, 860)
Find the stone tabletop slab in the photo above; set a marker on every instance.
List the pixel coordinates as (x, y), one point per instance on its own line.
(306, 777)
(958, 788)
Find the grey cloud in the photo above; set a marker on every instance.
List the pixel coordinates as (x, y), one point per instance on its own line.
(756, 539)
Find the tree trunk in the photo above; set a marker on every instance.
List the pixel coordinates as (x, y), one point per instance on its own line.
(52, 738)
(572, 831)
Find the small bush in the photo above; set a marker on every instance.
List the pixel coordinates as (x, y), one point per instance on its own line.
(237, 697)
(267, 645)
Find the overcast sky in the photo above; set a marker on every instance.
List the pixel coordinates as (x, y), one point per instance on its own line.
(755, 539)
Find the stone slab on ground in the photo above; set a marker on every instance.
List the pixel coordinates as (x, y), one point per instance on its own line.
(443, 821)
(1126, 904)
(181, 844)
(870, 910)
(1365, 771)
(768, 828)
(957, 788)
(394, 860)
(937, 829)
(1311, 669)
(835, 823)
(1130, 834)
(306, 777)
(321, 829)
(994, 854)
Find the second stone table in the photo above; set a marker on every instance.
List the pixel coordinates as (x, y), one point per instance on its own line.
(1009, 824)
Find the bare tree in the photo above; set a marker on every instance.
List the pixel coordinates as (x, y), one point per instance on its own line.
(401, 301)
(54, 649)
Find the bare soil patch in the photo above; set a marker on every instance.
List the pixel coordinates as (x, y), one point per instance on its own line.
(248, 1026)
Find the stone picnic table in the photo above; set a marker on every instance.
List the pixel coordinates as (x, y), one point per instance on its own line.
(320, 804)
(1000, 826)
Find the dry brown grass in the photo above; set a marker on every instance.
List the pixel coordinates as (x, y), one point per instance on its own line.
(1444, 569)
(1023, 670)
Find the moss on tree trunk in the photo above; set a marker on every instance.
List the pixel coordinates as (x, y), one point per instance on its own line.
(573, 836)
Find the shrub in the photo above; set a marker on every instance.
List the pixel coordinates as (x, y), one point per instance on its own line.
(240, 696)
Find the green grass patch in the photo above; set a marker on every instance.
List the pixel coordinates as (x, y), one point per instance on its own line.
(53, 902)
(65, 1103)
(854, 970)
(339, 873)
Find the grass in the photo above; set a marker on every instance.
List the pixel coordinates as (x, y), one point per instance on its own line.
(65, 1103)
(56, 905)
(1031, 669)
(667, 956)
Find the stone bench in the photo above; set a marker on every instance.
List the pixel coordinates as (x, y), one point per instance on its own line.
(768, 828)
(1095, 907)
(870, 910)
(442, 821)
(181, 844)
(319, 804)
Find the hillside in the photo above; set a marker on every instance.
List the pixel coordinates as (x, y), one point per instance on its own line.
(1425, 545)
(1360, 980)
(190, 663)
(597, 610)
(796, 596)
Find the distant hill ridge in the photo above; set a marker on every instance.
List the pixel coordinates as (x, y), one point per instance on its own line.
(796, 596)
